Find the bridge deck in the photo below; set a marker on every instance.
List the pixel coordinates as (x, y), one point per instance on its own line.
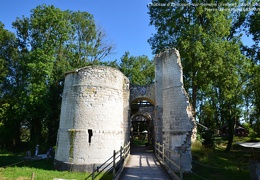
(143, 165)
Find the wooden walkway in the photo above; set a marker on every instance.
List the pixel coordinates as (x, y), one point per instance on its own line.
(143, 165)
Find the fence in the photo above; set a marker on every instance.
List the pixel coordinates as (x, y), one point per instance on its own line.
(164, 156)
(113, 166)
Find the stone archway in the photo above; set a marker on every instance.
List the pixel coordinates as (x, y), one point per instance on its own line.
(142, 121)
(142, 92)
(173, 121)
(142, 103)
(95, 116)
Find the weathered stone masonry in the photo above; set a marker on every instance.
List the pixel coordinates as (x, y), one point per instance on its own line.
(174, 121)
(94, 117)
(95, 113)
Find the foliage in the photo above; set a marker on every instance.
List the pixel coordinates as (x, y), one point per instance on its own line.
(207, 138)
(251, 133)
(139, 70)
(215, 164)
(253, 101)
(47, 44)
(11, 88)
(216, 72)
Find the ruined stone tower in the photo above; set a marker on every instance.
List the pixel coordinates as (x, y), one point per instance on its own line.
(174, 122)
(99, 107)
(94, 117)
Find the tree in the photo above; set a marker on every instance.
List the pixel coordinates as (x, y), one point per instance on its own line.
(12, 90)
(139, 70)
(211, 57)
(48, 43)
(247, 22)
(253, 52)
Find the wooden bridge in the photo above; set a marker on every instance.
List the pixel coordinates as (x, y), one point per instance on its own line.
(143, 165)
(138, 162)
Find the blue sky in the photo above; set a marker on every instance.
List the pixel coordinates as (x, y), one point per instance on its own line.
(125, 22)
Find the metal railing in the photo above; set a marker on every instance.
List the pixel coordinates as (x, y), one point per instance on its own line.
(164, 156)
(113, 166)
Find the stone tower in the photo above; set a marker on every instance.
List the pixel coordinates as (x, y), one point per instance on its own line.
(174, 122)
(94, 117)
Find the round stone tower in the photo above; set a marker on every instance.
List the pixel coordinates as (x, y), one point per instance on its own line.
(94, 117)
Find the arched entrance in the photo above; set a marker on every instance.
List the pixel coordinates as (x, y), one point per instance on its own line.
(142, 122)
(99, 107)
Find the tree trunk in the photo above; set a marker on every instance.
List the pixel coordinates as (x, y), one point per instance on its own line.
(36, 128)
(230, 141)
(231, 123)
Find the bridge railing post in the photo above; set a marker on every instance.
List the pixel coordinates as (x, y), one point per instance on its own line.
(93, 172)
(121, 159)
(114, 163)
(181, 170)
(163, 152)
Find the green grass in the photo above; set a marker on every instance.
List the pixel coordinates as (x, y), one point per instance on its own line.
(26, 173)
(215, 164)
(23, 170)
(207, 163)
(14, 167)
(138, 142)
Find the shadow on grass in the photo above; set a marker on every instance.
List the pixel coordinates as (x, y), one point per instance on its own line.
(8, 160)
(219, 164)
(46, 164)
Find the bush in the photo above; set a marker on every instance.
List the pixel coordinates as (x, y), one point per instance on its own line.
(252, 134)
(208, 138)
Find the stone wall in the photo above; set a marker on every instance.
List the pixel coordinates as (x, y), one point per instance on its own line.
(95, 113)
(158, 123)
(94, 117)
(173, 109)
(142, 92)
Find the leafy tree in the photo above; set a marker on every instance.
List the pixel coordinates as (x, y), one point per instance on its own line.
(139, 69)
(211, 57)
(253, 52)
(11, 86)
(248, 23)
(48, 43)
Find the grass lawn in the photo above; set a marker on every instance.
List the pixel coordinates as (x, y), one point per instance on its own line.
(139, 142)
(215, 164)
(23, 170)
(207, 163)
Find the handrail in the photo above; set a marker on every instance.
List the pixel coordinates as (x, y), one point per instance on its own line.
(167, 161)
(114, 164)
